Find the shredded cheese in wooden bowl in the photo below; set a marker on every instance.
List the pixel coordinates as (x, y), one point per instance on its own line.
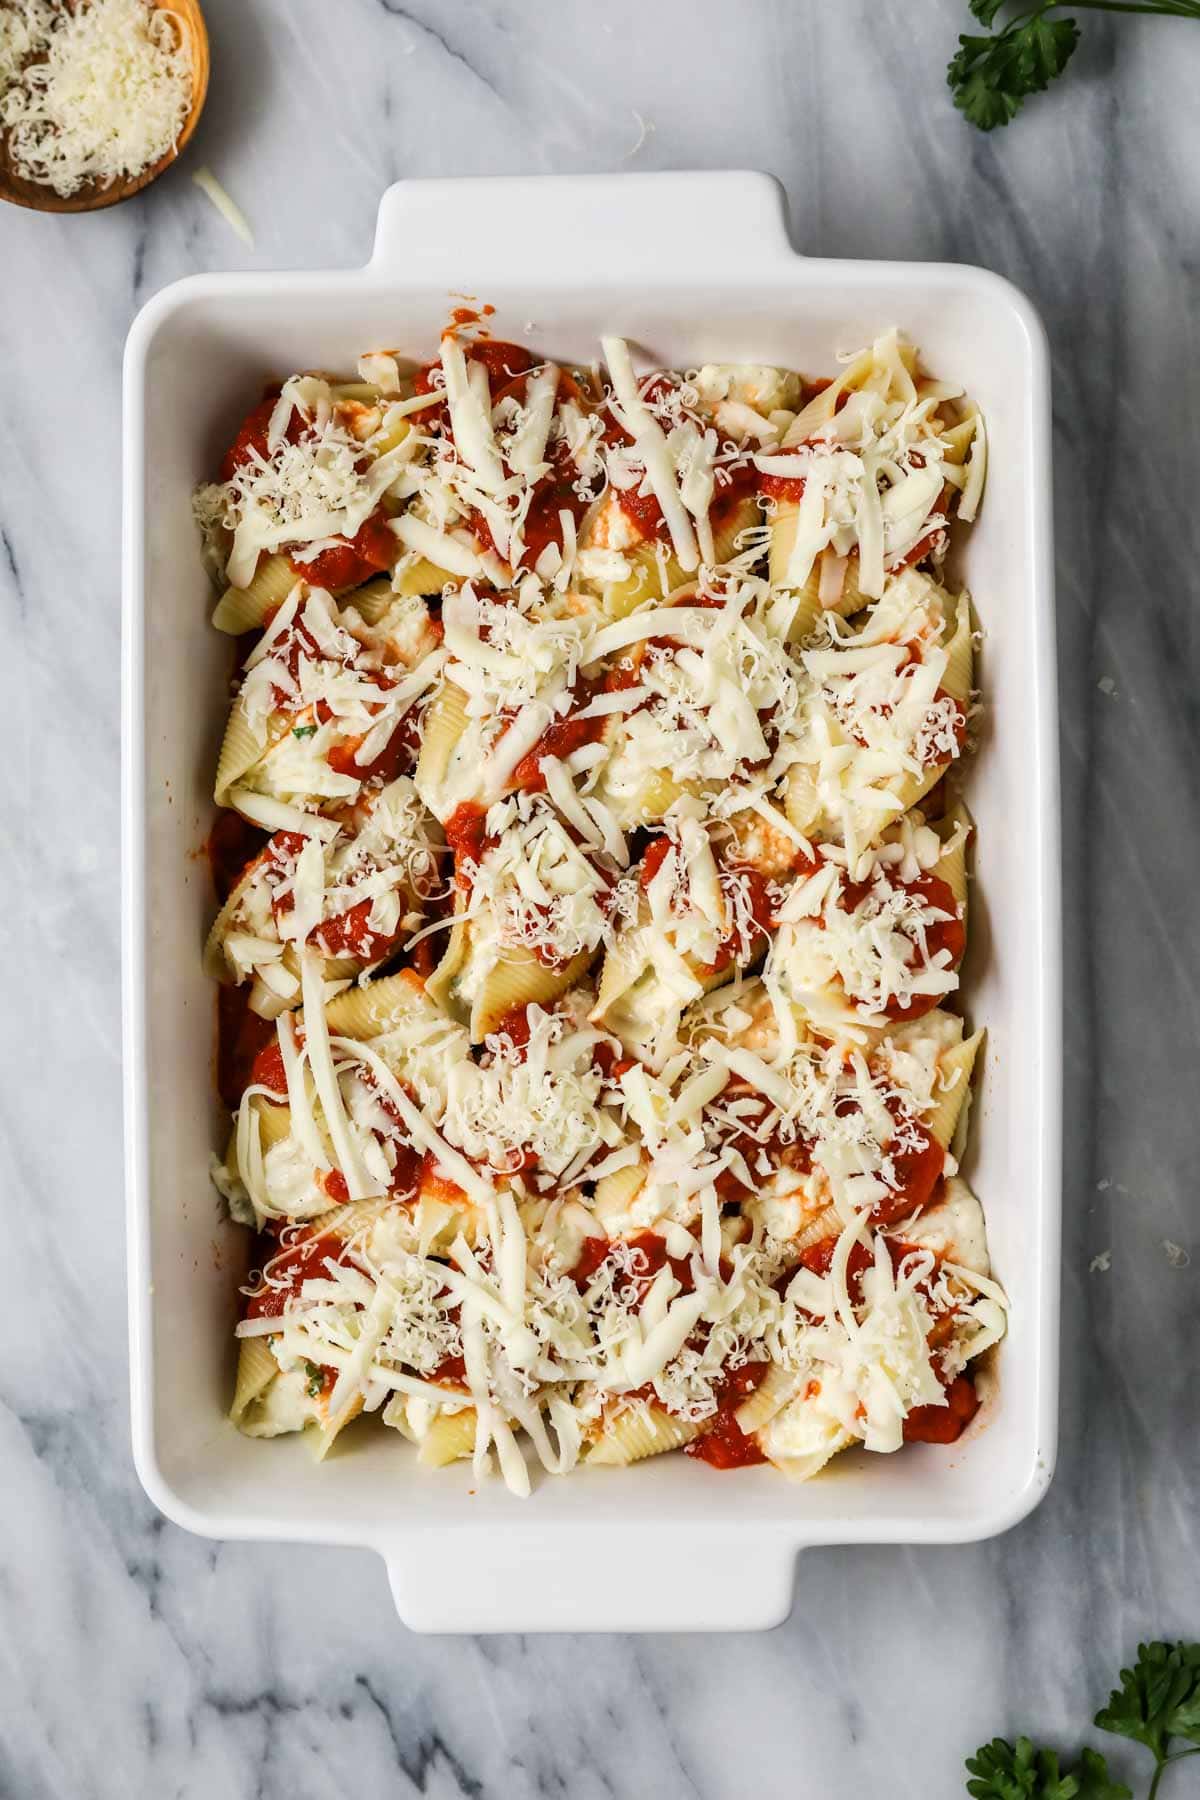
(95, 100)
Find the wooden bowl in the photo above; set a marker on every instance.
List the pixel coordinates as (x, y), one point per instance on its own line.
(91, 197)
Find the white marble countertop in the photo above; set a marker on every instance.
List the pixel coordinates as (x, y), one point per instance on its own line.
(140, 1661)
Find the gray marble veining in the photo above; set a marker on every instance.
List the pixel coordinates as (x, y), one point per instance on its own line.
(138, 1661)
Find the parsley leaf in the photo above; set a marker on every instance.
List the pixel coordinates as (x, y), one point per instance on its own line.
(1159, 1697)
(978, 95)
(1183, 1720)
(992, 77)
(1020, 1771)
(1047, 47)
(1093, 1778)
(301, 731)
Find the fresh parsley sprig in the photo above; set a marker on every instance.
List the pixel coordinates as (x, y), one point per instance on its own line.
(1158, 1700)
(1005, 1771)
(992, 77)
(1157, 1703)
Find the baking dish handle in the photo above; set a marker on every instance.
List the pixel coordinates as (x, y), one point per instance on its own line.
(559, 228)
(619, 1580)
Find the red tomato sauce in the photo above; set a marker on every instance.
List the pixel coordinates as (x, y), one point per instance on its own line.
(298, 1264)
(762, 914)
(818, 1258)
(432, 1183)
(644, 511)
(406, 1173)
(285, 847)
(267, 1069)
(509, 366)
(959, 726)
(280, 857)
(724, 1444)
(297, 641)
(251, 439)
(945, 934)
(651, 1248)
(791, 487)
(593, 1253)
(450, 1372)
(560, 738)
(412, 1167)
(515, 1026)
(920, 550)
(503, 362)
(918, 1173)
(231, 846)
(751, 1141)
(466, 831)
(471, 315)
(734, 483)
(349, 934)
(786, 488)
(424, 958)
(553, 495)
(944, 1424)
(241, 1036)
(653, 860)
(407, 736)
(373, 547)
(394, 759)
(948, 934)
(610, 1062)
(809, 389)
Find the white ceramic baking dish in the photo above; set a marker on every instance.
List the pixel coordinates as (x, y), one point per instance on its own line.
(691, 268)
